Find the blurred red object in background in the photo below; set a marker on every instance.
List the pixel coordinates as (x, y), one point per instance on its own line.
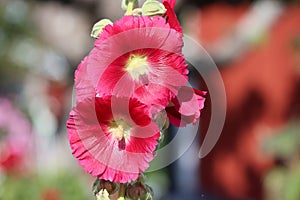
(262, 95)
(51, 194)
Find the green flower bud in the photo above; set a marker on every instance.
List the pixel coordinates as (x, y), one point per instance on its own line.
(108, 186)
(98, 27)
(153, 7)
(137, 12)
(139, 191)
(126, 2)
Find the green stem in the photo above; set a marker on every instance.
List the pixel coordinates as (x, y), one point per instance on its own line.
(141, 178)
(122, 191)
(130, 7)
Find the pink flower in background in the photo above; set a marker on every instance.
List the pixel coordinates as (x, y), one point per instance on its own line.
(114, 144)
(15, 138)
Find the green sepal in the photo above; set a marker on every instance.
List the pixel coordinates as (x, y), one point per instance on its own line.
(152, 8)
(98, 27)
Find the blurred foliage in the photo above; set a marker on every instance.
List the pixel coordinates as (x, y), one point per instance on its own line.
(286, 144)
(41, 187)
(283, 181)
(14, 28)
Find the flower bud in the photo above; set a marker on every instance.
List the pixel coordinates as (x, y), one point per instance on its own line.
(137, 12)
(125, 4)
(108, 186)
(153, 7)
(98, 27)
(139, 191)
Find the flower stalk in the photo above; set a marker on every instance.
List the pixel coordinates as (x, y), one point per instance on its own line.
(130, 7)
(122, 191)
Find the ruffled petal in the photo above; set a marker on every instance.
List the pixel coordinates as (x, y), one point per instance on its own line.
(83, 85)
(157, 97)
(186, 106)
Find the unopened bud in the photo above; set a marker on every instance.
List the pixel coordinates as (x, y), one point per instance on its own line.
(137, 12)
(125, 4)
(139, 191)
(99, 26)
(108, 186)
(153, 7)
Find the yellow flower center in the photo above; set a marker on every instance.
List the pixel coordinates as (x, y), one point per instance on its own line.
(120, 129)
(137, 65)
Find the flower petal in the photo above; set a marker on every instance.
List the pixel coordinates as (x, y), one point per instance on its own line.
(171, 15)
(83, 85)
(186, 106)
(172, 3)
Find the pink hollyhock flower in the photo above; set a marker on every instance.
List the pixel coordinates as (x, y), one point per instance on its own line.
(110, 141)
(185, 107)
(171, 15)
(15, 138)
(134, 53)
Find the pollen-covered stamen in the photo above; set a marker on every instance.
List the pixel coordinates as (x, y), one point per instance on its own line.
(137, 65)
(120, 130)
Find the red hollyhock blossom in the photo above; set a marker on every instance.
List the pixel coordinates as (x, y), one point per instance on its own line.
(185, 107)
(133, 53)
(110, 141)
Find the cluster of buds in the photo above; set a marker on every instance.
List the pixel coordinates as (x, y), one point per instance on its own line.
(137, 190)
(149, 8)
